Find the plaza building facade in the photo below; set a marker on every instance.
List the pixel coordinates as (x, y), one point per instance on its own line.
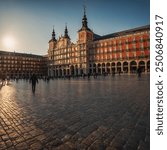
(120, 52)
(21, 65)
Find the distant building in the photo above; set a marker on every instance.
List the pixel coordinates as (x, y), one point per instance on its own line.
(20, 65)
(123, 51)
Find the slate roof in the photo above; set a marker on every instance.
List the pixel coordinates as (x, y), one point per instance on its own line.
(121, 33)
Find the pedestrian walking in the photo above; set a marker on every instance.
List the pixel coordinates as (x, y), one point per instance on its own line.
(139, 71)
(33, 80)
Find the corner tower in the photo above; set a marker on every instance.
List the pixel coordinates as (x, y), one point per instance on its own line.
(66, 32)
(52, 46)
(85, 38)
(52, 42)
(85, 34)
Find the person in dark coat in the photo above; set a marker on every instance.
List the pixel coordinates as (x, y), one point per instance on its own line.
(33, 80)
(139, 71)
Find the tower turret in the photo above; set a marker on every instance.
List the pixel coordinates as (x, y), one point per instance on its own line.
(52, 41)
(66, 32)
(85, 38)
(53, 34)
(85, 34)
(84, 21)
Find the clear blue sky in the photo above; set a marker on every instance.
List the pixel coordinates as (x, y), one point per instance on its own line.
(27, 24)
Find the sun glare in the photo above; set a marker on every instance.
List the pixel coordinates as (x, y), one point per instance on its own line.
(9, 42)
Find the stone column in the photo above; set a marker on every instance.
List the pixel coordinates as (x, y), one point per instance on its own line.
(58, 72)
(115, 67)
(101, 69)
(137, 64)
(75, 71)
(122, 67)
(128, 67)
(62, 72)
(105, 67)
(70, 71)
(145, 66)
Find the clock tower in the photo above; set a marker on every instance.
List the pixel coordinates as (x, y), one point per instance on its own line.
(85, 38)
(52, 46)
(85, 34)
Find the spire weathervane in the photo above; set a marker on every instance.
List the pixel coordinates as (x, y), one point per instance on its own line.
(84, 19)
(84, 6)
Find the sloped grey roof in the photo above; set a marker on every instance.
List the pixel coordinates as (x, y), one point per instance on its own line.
(121, 33)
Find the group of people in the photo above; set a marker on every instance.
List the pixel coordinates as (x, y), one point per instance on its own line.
(4, 80)
(34, 79)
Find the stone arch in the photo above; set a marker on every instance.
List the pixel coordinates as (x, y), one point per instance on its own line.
(94, 68)
(57, 72)
(133, 66)
(72, 70)
(118, 66)
(103, 67)
(76, 70)
(68, 71)
(113, 66)
(108, 65)
(60, 72)
(81, 71)
(142, 66)
(64, 72)
(99, 68)
(125, 67)
(90, 68)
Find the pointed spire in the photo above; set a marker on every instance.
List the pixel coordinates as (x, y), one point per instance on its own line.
(84, 10)
(53, 34)
(66, 31)
(84, 19)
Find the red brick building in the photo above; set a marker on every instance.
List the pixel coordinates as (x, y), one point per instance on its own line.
(123, 51)
(20, 65)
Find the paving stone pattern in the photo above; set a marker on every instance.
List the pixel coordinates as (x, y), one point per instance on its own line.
(110, 113)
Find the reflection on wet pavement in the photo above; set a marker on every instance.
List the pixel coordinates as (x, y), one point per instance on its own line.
(106, 113)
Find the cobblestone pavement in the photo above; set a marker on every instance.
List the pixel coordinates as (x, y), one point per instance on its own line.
(109, 113)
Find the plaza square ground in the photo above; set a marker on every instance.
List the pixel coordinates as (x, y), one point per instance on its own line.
(109, 113)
